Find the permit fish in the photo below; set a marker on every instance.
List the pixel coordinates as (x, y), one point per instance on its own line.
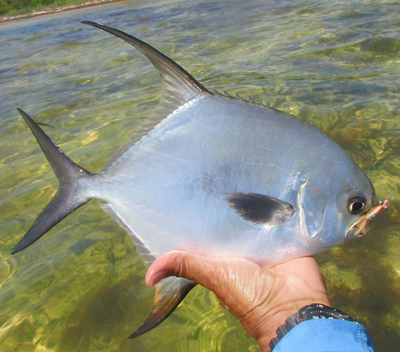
(214, 174)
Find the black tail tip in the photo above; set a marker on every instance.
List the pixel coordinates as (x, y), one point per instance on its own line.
(16, 250)
(90, 23)
(133, 335)
(21, 245)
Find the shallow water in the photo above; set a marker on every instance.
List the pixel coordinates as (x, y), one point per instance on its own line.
(81, 287)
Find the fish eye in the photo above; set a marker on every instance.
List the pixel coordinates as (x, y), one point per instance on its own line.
(356, 204)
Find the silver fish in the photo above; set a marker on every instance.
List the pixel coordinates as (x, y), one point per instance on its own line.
(216, 175)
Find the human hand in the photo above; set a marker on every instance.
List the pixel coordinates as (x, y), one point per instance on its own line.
(261, 299)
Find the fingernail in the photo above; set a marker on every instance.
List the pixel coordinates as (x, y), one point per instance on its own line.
(157, 277)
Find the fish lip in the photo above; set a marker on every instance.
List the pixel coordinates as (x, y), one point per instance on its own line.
(358, 228)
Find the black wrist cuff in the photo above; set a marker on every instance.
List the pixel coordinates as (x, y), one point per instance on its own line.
(312, 311)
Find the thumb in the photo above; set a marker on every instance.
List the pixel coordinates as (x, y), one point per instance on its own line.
(240, 285)
(201, 270)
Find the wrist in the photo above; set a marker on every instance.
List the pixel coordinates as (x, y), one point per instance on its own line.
(308, 312)
(278, 316)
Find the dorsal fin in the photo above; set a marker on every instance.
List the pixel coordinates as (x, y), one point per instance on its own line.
(179, 86)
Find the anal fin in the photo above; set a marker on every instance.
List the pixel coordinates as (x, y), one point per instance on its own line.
(143, 251)
(169, 293)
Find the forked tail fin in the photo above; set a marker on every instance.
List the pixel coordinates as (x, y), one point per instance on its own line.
(71, 194)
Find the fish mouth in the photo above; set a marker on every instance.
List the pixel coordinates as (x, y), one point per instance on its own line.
(358, 228)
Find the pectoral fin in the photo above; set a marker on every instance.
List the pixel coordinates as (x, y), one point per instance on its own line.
(169, 293)
(260, 209)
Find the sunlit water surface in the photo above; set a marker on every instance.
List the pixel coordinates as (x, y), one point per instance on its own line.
(81, 287)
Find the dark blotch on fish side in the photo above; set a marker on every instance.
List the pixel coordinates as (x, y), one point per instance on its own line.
(260, 209)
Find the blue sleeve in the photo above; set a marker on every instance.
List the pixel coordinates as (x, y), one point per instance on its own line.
(326, 335)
